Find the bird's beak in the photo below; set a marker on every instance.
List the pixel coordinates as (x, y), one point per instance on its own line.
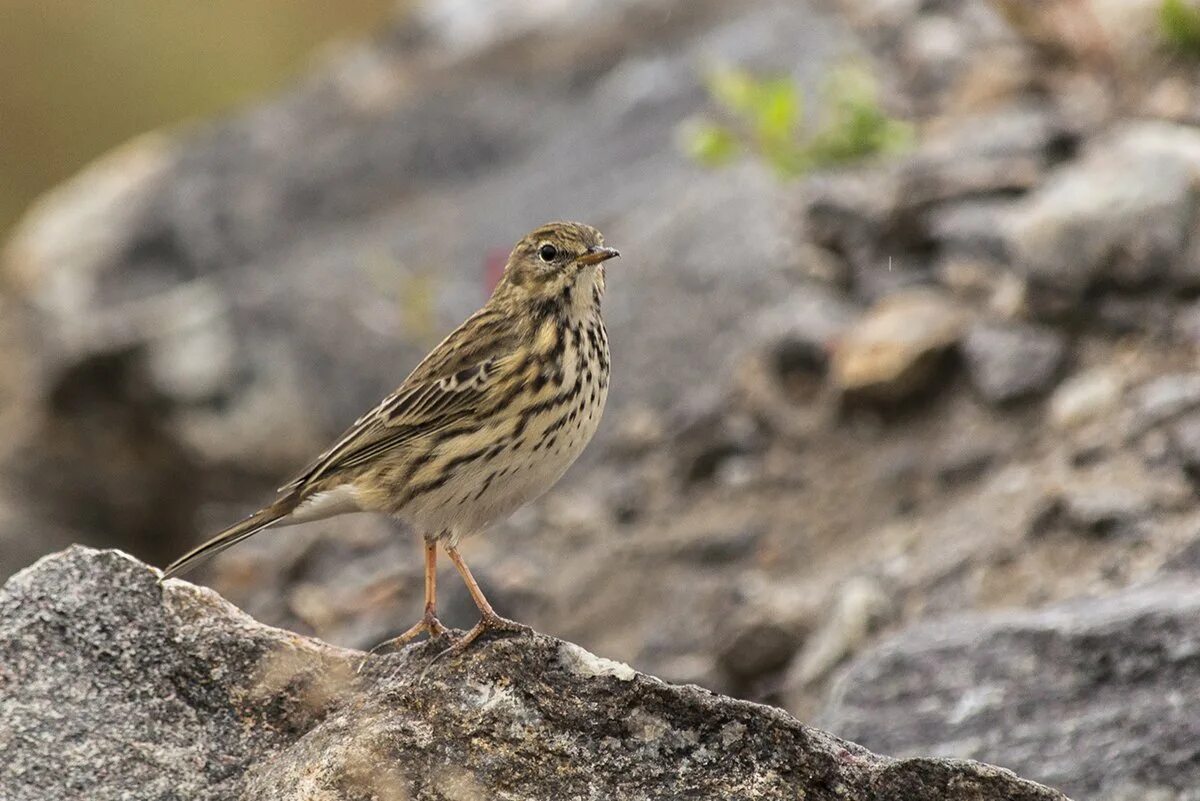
(595, 255)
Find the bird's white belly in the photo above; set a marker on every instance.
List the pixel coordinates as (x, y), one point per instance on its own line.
(491, 490)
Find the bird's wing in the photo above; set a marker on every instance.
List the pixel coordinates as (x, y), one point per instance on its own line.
(446, 387)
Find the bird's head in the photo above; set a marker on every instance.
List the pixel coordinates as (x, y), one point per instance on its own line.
(561, 262)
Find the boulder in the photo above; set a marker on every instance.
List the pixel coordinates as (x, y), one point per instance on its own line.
(1009, 361)
(894, 351)
(1122, 216)
(114, 686)
(1090, 695)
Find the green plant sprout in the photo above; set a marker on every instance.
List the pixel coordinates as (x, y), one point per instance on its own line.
(766, 116)
(1179, 21)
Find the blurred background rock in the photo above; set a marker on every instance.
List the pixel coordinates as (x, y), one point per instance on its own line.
(905, 411)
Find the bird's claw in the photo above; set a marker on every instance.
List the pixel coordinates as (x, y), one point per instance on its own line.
(486, 623)
(428, 624)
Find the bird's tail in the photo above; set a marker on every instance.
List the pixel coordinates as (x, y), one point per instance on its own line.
(253, 524)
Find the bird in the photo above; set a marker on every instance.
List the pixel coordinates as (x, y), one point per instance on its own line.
(484, 424)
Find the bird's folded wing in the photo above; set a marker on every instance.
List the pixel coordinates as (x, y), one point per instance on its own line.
(416, 409)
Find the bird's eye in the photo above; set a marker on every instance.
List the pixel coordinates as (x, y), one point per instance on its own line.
(548, 253)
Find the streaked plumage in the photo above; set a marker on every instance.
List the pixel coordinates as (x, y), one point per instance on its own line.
(488, 421)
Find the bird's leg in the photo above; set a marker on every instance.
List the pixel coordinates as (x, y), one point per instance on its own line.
(428, 622)
(488, 619)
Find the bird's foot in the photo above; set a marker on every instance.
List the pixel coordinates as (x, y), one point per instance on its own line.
(428, 624)
(489, 623)
(492, 622)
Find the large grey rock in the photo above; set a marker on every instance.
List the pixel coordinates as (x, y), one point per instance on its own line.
(115, 687)
(1094, 696)
(1122, 215)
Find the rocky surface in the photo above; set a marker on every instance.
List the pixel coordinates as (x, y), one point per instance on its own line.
(114, 686)
(1070, 695)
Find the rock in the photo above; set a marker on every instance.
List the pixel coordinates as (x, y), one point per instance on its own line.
(117, 687)
(1105, 510)
(808, 262)
(955, 188)
(965, 462)
(799, 334)
(1186, 326)
(1090, 695)
(1184, 438)
(991, 155)
(1120, 314)
(972, 228)
(1122, 215)
(716, 548)
(705, 434)
(640, 430)
(859, 606)
(757, 649)
(849, 212)
(1085, 396)
(1008, 361)
(894, 351)
(1163, 399)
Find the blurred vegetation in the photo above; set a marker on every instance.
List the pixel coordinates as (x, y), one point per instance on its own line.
(765, 117)
(1180, 24)
(78, 77)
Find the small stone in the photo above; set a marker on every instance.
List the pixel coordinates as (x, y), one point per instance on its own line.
(1104, 511)
(845, 211)
(757, 650)
(707, 435)
(895, 349)
(967, 464)
(1186, 325)
(1185, 560)
(1126, 314)
(1045, 515)
(972, 228)
(859, 606)
(1184, 439)
(813, 263)
(717, 547)
(639, 430)
(800, 333)
(1007, 362)
(1164, 398)
(1085, 396)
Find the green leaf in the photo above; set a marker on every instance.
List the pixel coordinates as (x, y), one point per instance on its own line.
(1180, 24)
(736, 90)
(777, 110)
(765, 116)
(710, 144)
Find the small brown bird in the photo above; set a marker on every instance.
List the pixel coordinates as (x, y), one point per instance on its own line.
(488, 421)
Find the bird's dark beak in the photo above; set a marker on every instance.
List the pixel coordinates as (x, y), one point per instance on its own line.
(595, 255)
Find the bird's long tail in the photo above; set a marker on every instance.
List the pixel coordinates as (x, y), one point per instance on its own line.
(231, 536)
